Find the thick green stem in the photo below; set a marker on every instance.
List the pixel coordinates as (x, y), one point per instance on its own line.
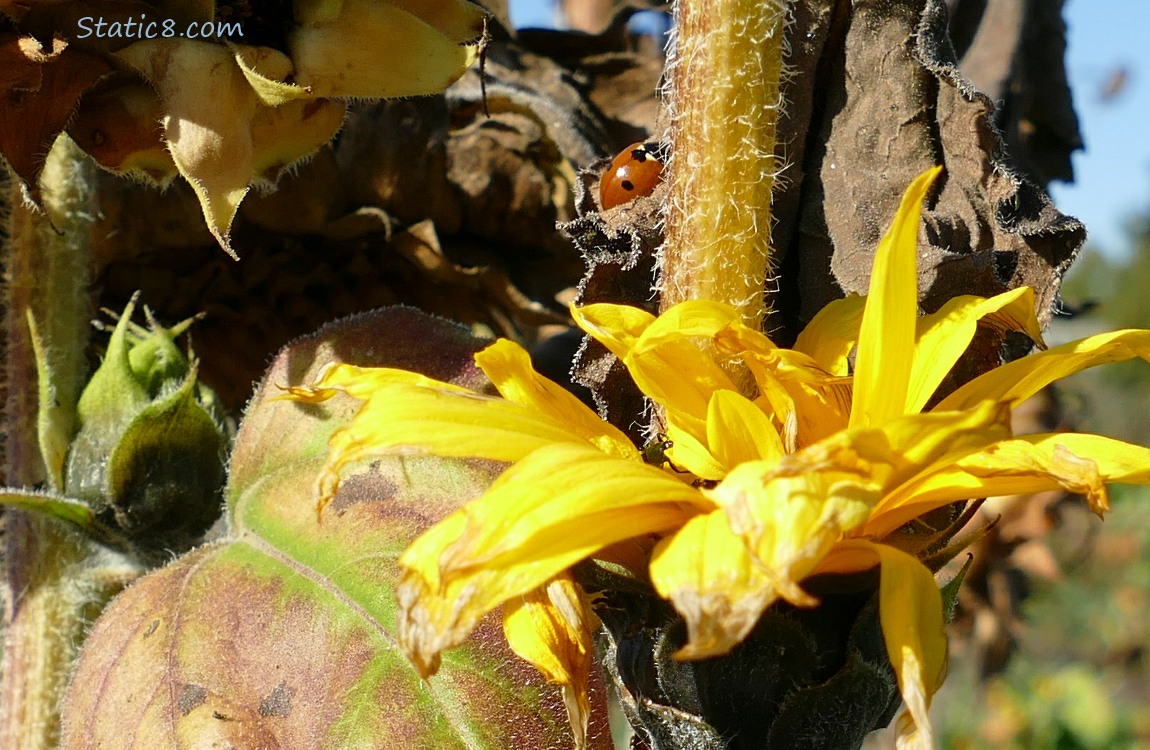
(725, 74)
(50, 593)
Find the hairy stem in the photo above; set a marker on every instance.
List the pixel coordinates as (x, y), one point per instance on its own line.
(726, 67)
(49, 597)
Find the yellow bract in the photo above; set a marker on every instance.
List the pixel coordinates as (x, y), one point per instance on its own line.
(781, 465)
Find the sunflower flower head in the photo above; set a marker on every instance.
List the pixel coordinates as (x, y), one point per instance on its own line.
(775, 465)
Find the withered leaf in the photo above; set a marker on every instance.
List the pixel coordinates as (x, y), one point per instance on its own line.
(39, 92)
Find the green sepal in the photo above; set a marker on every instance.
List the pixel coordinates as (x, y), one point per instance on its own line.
(114, 394)
(55, 419)
(950, 590)
(72, 512)
(153, 357)
(165, 475)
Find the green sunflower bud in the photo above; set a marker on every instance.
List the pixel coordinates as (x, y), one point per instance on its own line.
(149, 453)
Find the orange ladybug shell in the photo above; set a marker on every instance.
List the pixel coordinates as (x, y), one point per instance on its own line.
(636, 171)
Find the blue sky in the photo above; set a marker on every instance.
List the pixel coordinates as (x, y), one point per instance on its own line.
(1112, 176)
(532, 13)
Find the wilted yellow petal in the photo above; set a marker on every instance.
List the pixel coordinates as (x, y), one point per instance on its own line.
(718, 588)
(508, 366)
(886, 335)
(910, 608)
(943, 336)
(551, 627)
(790, 522)
(380, 50)
(1019, 380)
(905, 447)
(1075, 462)
(832, 333)
(554, 508)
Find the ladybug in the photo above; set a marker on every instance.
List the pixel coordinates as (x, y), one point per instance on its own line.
(636, 171)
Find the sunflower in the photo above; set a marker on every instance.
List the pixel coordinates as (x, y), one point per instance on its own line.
(776, 465)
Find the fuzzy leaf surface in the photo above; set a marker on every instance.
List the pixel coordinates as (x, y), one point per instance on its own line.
(281, 635)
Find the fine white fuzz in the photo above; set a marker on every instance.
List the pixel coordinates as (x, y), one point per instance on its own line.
(724, 81)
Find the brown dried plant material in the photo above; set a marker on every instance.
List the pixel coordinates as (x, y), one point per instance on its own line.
(120, 127)
(234, 113)
(39, 92)
(877, 98)
(426, 201)
(1013, 52)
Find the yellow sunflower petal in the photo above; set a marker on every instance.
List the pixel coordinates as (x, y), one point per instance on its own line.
(1076, 462)
(690, 454)
(362, 382)
(428, 421)
(707, 574)
(564, 498)
(554, 508)
(739, 431)
(669, 365)
(807, 402)
(910, 607)
(1019, 380)
(697, 318)
(408, 413)
(944, 336)
(508, 366)
(664, 355)
(886, 335)
(616, 327)
(821, 411)
(551, 627)
(832, 333)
